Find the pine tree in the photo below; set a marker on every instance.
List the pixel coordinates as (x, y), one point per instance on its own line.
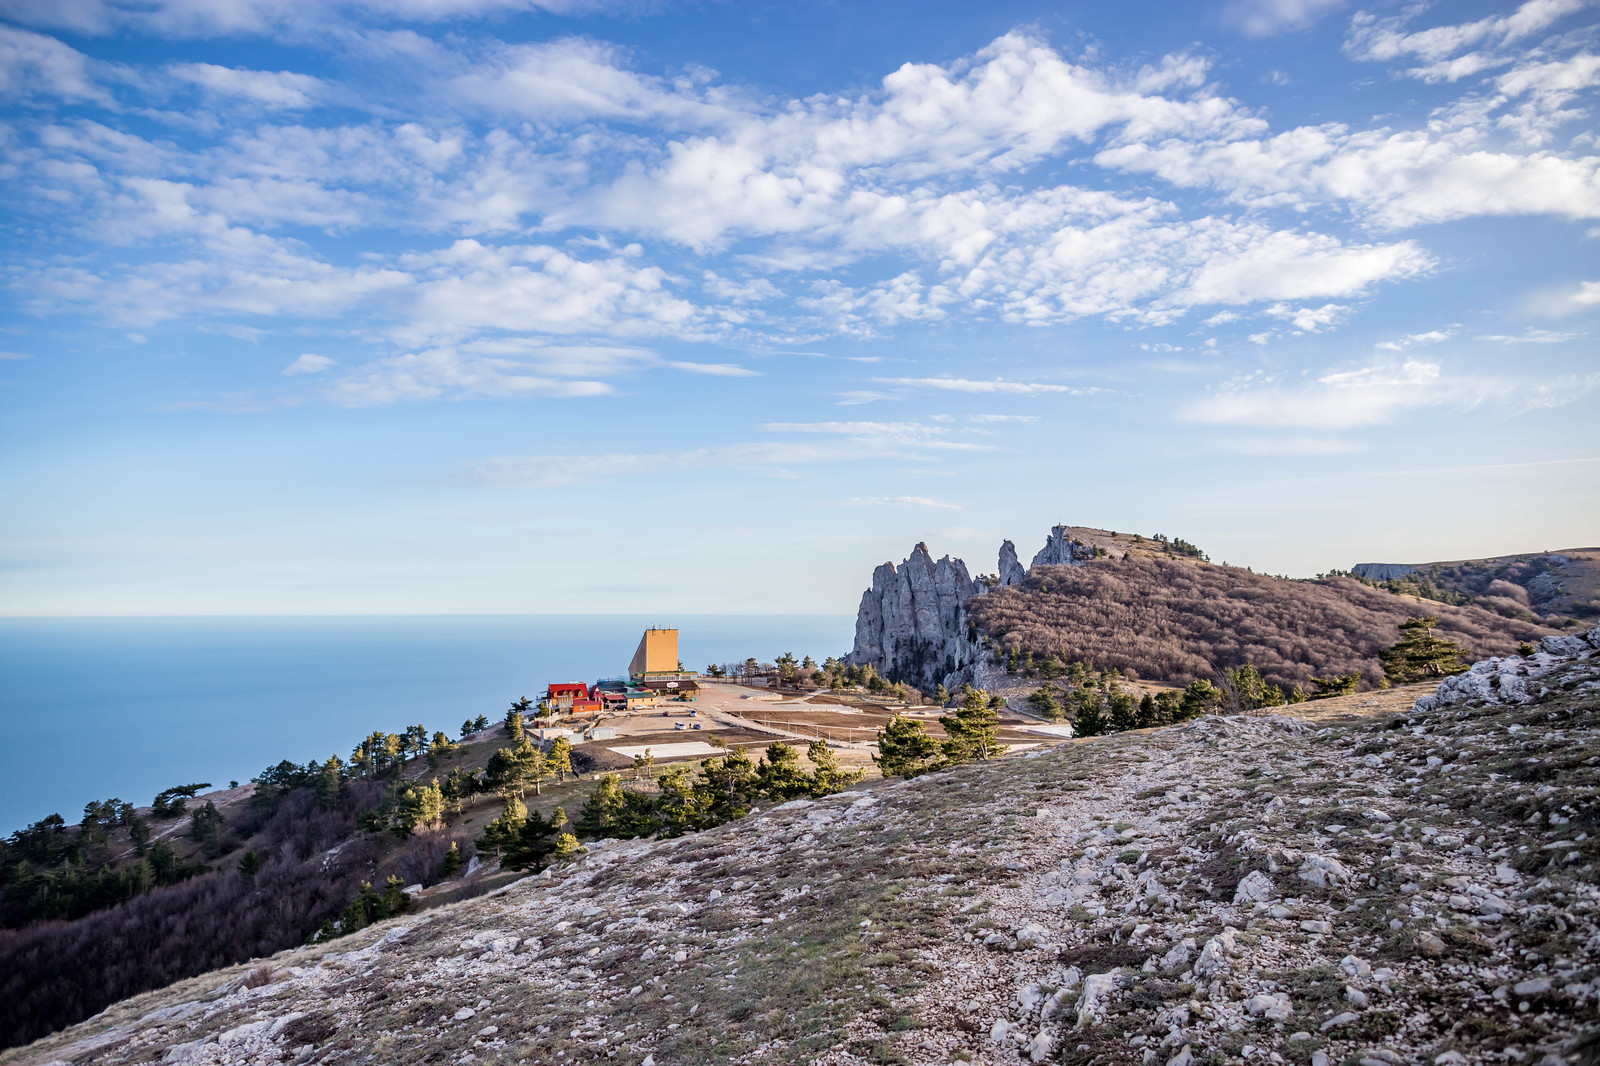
(558, 760)
(941, 695)
(973, 731)
(779, 776)
(419, 808)
(905, 749)
(603, 810)
(1124, 710)
(330, 778)
(452, 861)
(505, 828)
(1338, 685)
(1421, 656)
(1200, 697)
(514, 724)
(1044, 701)
(1149, 712)
(250, 864)
(827, 777)
(1088, 718)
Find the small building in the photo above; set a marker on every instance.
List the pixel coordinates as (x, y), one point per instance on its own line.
(559, 696)
(552, 732)
(601, 732)
(632, 699)
(673, 689)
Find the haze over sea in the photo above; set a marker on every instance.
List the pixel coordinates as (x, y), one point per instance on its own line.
(100, 707)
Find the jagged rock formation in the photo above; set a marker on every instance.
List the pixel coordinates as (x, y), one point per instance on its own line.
(1061, 549)
(1011, 571)
(912, 625)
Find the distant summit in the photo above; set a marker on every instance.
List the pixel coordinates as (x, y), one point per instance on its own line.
(1546, 586)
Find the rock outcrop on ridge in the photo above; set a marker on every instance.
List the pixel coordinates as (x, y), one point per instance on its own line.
(1400, 888)
(1010, 570)
(1061, 549)
(912, 624)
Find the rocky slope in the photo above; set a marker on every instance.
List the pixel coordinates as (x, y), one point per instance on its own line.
(1555, 584)
(1360, 888)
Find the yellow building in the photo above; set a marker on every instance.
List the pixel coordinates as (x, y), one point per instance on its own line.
(657, 654)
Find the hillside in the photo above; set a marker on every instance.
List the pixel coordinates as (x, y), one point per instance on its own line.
(1153, 607)
(1548, 586)
(1175, 619)
(1375, 887)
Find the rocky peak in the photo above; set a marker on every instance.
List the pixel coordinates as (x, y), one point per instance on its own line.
(1062, 549)
(911, 624)
(1011, 570)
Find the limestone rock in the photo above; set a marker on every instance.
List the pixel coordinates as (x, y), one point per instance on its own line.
(1507, 680)
(1061, 550)
(1255, 888)
(912, 624)
(1011, 571)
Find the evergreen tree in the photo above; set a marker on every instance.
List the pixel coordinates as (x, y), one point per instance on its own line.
(731, 781)
(1169, 707)
(420, 808)
(905, 749)
(1200, 697)
(603, 811)
(1421, 656)
(480, 723)
(941, 695)
(973, 731)
(329, 779)
(827, 776)
(205, 827)
(505, 829)
(1088, 718)
(1124, 710)
(779, 775)
(643, 764)
(558, 760)
(1044, 701)
(250, 864)
(516, 769)
(514, 724)
(452, 861)
(1149, 712)
(468, 727)
(1338, 685)
(440, 749)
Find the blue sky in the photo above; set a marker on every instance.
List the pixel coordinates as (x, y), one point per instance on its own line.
(500, 305)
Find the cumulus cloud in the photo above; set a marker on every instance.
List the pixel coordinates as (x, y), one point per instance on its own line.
(34, 66)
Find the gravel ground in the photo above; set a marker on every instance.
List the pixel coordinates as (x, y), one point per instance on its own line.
(1372, 887)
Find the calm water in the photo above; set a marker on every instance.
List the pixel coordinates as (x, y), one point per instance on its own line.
(95, 708)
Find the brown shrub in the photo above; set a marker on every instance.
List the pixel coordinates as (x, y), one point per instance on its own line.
(1177, 620)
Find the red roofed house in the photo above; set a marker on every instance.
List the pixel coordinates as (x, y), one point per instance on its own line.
(574, 698)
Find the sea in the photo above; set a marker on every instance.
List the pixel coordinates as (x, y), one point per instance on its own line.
(101, 708)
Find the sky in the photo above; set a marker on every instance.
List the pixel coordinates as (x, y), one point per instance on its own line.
(573, 306)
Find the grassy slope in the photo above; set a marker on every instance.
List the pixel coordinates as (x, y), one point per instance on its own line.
(851, 931)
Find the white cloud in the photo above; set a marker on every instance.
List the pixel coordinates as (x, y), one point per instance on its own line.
(14, 355)
(281, 89)
(720, 370)
(1310, 319)
(905, 501)
(1367, 396)
(1415, 340)
(1263, 18)
(309, 363)
(1377, 39)
(1341, 400)
(451, 372)
(1534, 336)
(33, 65)
(896, 437)
(998, 385)
(1002, 418)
